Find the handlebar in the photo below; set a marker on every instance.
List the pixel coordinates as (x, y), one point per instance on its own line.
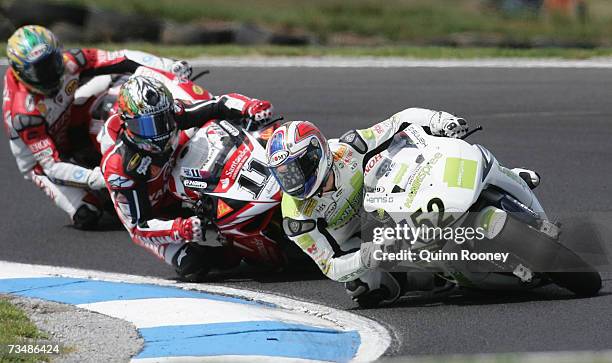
(199, 75)
(478, 128)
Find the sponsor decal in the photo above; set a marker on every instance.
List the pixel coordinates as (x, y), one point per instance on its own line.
(372, 162)
(197, 90)
(224, 183)
(71, 87)
(352, 205)
(460, 173)
(41, 107)
(378, 129)
(43, 154)
(144, 165)
(239, 159)
(133, 163)
(353, 166)
(229, 128)
(400, 174)
(367, 134)
(40, 145)
(424, 172)
(78, 174)
(416, 136)
(380, 199)
(510, 174)
(384, 169)
(37, 51)
(309, 207)
(305, 241)
(330, 210)
(194, 173)
(196, 184)
(223, 209)
(29, 103)
(119, 181)
(339, 154)
(348, 157)
(278, 157)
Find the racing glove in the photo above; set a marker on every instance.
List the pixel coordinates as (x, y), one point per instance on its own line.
(445, 124)
(95, 179)
(189, 229)
(259, 111)
(182, 69)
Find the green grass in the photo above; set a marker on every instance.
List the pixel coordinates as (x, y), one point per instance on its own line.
(422, 21)
(15, 327)
(187, 52)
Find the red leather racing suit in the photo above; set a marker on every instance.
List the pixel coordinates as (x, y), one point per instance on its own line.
(38, 126)
(138, 182)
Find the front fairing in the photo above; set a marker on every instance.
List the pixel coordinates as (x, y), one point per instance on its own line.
(423, 169)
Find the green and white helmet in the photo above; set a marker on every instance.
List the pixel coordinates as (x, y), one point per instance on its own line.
(146, 106)
(35, 55)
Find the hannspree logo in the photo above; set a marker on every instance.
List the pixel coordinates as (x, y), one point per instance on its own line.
(420, 176)
(380, 199)
(278, 157)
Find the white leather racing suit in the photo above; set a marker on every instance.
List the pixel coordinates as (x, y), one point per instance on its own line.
(327, 226)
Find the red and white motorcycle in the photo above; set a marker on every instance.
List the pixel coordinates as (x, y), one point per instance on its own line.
(221, 173)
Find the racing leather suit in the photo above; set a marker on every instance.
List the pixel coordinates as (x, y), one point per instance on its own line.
(138, 182)
(38, 126)
(327, 226)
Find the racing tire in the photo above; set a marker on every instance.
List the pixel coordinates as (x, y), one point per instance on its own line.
(546, 255)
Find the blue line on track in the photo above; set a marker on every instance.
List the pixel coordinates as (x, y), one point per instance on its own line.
(83, 291)
(262, 338)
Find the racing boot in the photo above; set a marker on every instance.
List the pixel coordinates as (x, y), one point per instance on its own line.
(192, 262)
(529, 176)
(374, 289)
(86, 217)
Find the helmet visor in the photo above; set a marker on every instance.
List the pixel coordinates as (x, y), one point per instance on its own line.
(156, 145)
(152, 126)
(46, 74)
(297, 176)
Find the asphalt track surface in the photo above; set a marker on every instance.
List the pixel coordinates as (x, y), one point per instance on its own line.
(556, 121)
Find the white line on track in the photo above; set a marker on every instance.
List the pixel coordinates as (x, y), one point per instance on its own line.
(392, 62)
(375, 339)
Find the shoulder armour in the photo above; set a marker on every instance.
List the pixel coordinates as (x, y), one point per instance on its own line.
(355, 140)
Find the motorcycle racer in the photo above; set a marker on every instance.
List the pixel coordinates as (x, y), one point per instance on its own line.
(322, 201)
(40, 113)
(138, 166)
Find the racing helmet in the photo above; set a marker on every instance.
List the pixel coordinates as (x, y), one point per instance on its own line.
(299, 158)
(147, 108)
(35, 55)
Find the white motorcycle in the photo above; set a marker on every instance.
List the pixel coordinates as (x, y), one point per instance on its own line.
(442, 184)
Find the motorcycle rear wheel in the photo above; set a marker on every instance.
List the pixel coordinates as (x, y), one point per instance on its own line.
(544, 254)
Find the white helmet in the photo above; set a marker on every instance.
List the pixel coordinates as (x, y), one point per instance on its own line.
(299, 158)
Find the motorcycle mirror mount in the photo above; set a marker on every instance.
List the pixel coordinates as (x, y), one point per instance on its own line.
(478, 128)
